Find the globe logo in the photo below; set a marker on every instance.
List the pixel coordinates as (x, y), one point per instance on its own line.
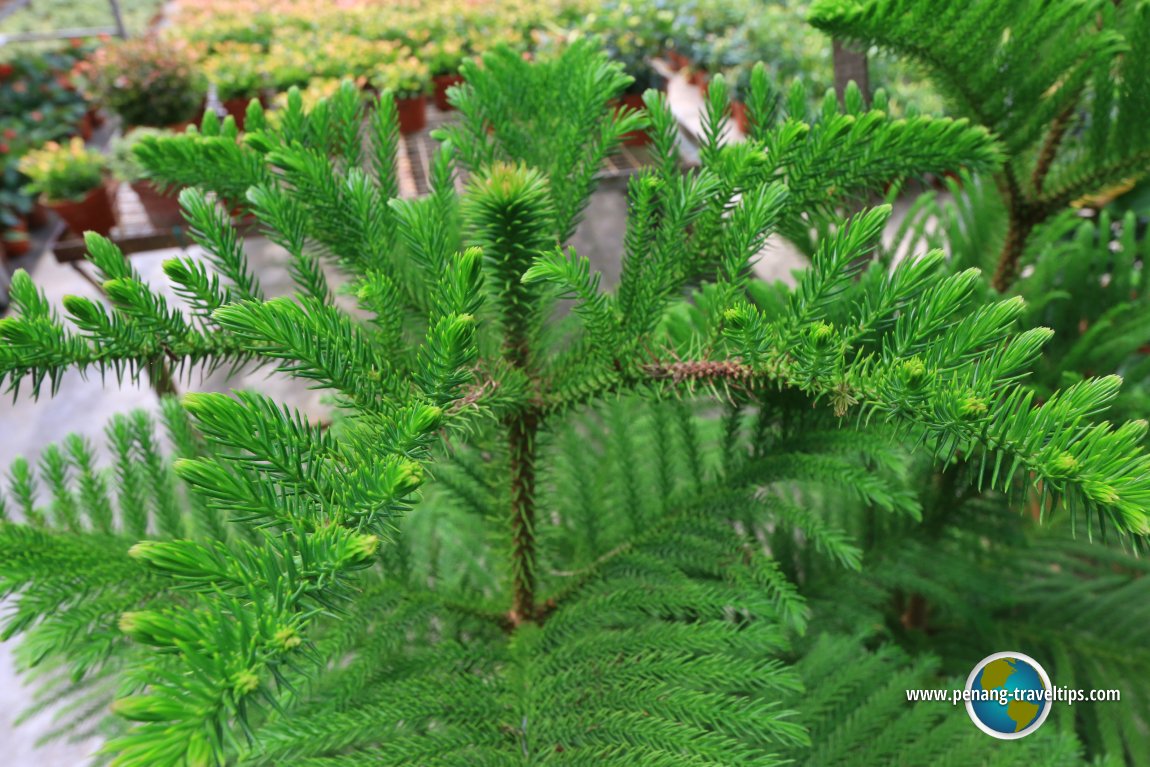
(1008, 695)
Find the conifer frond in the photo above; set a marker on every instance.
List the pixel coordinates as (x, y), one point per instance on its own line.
(860, 715)
(1048, 56)
(140, 331)
(919, 374)
(697, 682)
(211, 158)
(1061, 609)
(1061, 85)
(548, 115)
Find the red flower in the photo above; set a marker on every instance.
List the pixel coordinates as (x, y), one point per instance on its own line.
(3, 148)
(5, 70)
(10, 133)
(36, 115)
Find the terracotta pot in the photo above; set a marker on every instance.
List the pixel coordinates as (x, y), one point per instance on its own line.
(442, 83)
(93, 213)
(15, 248)
(38, 218)
(16, 241)
(677, 61)
(739, 113)
(163, 211)
(242, 215)
(183, 126)
(635, 137)
(84, 127)
(238, 108)
(178, 127)
(412, 114)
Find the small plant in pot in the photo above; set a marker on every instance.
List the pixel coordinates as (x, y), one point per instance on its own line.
(234, 70)
(645, 77)
(718, 53)
(13, 198)
(443, 59)
(69, 178)
(14, 233)
(633, 38)
(15, 207)
(162, 210)
(318, 89)
(146, 82)
(410, 80)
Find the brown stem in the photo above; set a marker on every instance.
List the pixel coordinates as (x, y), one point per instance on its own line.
(698, 370)
(850, 65)
(915, 613)
(1016, 236)
(161, 377)
(1022, 219)
(1049, 149)
(522, 430)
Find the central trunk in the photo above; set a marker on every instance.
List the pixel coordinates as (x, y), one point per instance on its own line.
(521, 435)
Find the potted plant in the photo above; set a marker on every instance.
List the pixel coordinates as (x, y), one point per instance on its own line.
(39, 102)
(633, 36)
(234, 69)
(716, 53)
(15, 207)
(291, 60)
(146, 82)
(69, 179)
(409, 80)
(14, 235)
(645, 78)
(444, 56)
(162, 210)
(350, 56)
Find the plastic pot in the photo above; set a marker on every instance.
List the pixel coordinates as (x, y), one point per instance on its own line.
(739, 113)
(412, 114)
(238, 108)
(38, 218)
(163, 211)
(93, 213)
(16, 240)
(442, 83)
(635, 137)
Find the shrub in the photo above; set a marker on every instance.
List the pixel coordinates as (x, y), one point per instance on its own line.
(63, 172)
(146, 81)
